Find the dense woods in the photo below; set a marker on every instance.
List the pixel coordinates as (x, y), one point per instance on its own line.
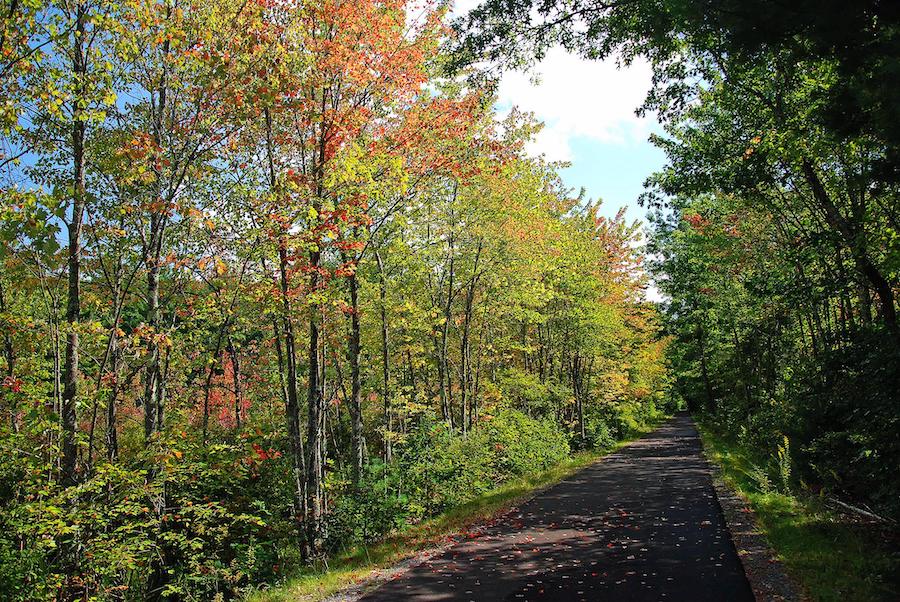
(274, 285)
(775, 219)
(278, 279)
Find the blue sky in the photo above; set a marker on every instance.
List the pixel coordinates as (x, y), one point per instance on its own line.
(613, 171)
(588, 110)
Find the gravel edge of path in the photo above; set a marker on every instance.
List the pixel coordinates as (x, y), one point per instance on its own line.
(766, 573)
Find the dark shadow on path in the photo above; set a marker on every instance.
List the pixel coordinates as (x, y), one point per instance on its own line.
(642, 524)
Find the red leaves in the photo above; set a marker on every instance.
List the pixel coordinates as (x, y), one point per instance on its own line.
(13, 384)
(696, 221)
(265, 454)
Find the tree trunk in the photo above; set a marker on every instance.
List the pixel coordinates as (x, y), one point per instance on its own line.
(315, 431)
(353, 351)
(291, 394)
(9, 354)
(579, 397)
(851, 236)
(444, 365)
(236, 381)
(704, 371)
(112, 438)
(73, 305)
(207, 386)
(465, 363)
(865, 298)
(385, 360)
(151, 401)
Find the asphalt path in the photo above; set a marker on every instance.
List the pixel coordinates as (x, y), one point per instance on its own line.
(641, 524)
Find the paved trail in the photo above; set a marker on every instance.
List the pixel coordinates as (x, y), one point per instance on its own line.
(643, 524)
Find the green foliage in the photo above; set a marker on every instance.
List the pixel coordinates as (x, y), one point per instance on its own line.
(526, 391)
(834, 557)
(220, 528)
(608, 422)
(437, 470)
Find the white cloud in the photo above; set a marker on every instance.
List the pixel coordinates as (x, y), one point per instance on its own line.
(578, 98)
(461, 7)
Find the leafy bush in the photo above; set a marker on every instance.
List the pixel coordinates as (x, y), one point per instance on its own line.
(436, 469)
(376, 507)
(840, 420)
(607, 422)
(526, 391)
(208, 514)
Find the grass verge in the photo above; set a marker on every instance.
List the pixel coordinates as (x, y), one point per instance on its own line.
(354, 566)
(834, 557)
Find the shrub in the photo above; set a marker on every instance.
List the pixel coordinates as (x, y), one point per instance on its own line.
(436, 469)
(526, 391)
(207, 512)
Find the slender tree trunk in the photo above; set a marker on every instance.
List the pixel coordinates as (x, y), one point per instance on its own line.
(385, 361)
(812, 335)
(315, 396)
(412, 372)
(236, 382)
(279, 354)
(292, 397)
(465, 355)
(579, 396)
(442, 383)
(746, 372)
(73, 305)
(56, 356)
(216, 358)
(444, 368)
(9, 354)
(852, 239)
(112, 437)
(353, 351)
(865, 310)
(152, 418)
(315, 434)
(704, 371)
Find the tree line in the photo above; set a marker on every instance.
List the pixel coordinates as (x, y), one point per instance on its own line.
(775, 219)
(273, 284)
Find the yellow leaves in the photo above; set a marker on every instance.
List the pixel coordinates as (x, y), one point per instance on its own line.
(752, 148)
(221, 268)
